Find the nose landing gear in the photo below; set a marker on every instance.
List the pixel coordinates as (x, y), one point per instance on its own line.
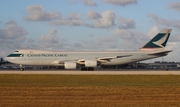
(21, 68)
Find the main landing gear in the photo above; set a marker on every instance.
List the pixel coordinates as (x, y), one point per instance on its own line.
(87, 69)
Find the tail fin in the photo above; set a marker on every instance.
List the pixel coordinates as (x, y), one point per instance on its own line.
(159, 41)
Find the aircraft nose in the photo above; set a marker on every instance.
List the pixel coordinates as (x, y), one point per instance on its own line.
(7, 58)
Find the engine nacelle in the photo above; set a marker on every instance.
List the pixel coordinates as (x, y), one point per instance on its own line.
(90, 63)
(70, 65)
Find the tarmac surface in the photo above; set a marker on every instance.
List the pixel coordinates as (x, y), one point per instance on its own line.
(96, 72)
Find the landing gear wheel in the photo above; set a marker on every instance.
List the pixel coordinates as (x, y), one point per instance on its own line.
(90, 69)
(22, 69)
(83, 69)
(87, 69)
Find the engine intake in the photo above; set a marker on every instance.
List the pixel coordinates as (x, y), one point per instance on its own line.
(90, 63)
(70, 65)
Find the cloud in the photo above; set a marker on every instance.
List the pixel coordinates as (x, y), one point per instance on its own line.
(174, 5)
(3, 53)
(12, 35)
(74, 19)
(67, 21)
(12, 31)
(78, 45)
(165, 22)
(120, 2)
(126, 23)
(153, 31)
(103, 20)
(175, 37)
(123, 34)
(121, 39)
(89, 2)
(74, 15)
(93, 15)
(50, 41)
(100, 43)
(132, 39)
(37, 13)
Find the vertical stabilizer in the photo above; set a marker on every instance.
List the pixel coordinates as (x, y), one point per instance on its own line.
(159, 41)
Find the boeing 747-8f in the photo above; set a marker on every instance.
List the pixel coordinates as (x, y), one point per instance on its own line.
(89, 60)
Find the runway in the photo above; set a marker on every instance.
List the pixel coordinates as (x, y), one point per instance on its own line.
(106, 72)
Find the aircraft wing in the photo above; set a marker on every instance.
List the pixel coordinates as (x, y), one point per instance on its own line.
(107, 59)
(103, 59)
(81, 61)
(61, 63)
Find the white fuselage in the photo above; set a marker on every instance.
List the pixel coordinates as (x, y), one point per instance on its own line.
(50, 58)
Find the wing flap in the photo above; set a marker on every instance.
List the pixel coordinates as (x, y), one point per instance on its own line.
(107, 59)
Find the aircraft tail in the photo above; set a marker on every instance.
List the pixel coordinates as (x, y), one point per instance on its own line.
(159, 41)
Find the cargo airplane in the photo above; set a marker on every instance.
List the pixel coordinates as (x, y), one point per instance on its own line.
(89, 60)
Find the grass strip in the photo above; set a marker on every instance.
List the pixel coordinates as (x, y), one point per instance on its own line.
(89, 90)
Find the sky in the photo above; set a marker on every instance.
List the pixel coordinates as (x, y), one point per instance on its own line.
(87, 25)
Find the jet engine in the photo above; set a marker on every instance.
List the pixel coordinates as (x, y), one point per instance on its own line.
(70, 65)
(90, 63)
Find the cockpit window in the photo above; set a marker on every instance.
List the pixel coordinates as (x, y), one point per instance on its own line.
(16, 51)
(16, 55)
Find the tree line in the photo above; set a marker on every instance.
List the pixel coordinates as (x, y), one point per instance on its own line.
(2, 61)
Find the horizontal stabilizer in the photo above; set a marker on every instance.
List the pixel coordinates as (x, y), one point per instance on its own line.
(164, 53)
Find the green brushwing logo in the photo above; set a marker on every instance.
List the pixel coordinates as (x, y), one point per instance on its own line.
(159, 41)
